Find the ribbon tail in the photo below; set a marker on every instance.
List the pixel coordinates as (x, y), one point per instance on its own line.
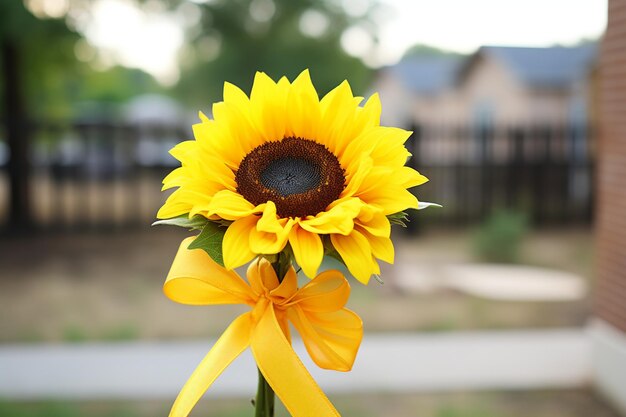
(285, 373)
(233, 341)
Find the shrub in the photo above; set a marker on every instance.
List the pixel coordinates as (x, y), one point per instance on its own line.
(500, 237)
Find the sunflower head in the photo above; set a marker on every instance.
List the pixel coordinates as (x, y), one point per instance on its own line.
(285, 170)
(302, 177)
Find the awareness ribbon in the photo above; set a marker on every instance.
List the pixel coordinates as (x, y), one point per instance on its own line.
(331, 333)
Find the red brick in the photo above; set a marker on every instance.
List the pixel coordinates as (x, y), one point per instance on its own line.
(610, 288)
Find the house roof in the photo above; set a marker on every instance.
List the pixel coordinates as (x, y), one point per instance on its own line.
(553, 67)
(426, 74)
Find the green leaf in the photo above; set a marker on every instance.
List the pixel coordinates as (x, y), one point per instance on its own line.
(401, 218)
(210, 240)
(197, 222)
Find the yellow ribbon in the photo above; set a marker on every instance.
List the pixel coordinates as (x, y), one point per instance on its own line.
(331, 333)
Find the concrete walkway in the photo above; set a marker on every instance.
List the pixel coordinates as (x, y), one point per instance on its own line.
(491, 281)
(398, 362)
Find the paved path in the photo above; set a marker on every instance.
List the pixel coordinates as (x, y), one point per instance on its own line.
(495, 282)
(399, 362)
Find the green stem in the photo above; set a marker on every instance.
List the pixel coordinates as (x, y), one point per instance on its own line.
(264, 404)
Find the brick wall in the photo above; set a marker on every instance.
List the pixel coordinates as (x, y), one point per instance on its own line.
(610, 296)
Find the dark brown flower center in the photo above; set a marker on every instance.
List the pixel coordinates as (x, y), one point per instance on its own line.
(300, 176)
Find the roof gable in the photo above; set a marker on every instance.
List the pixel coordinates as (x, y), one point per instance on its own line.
(554, 67)
(427, 74)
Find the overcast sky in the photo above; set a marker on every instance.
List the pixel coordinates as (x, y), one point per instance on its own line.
(465, 25)
(151, 40)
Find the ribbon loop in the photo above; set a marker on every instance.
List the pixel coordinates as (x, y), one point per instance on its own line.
(330, 332)
(196, 279)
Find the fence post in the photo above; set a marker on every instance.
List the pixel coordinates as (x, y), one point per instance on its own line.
(514, 167)
(17, 138)
(485, 141)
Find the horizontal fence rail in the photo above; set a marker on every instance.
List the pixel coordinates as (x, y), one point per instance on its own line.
(106, 176)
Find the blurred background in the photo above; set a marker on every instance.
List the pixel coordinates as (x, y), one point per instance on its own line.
(500, 304)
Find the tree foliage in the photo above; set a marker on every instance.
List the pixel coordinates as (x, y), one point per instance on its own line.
(420, 50)
(265, 35)
(45, 55)
(54, 84)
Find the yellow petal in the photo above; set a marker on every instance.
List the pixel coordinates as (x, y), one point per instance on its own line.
(412, 178)
(271, 242)
(308, 250)
(374, 221)
(304, 113)
(235, 129)
(214, 138)
(337, 124)
(339, 219)
(392, 199)
(232, 206)
(268, 102)
(362, 146)
(234, 95)
(174, 206)
(356, 178)
(271, 233)
(370, 113)
(185, 150)
(236, 244)
(356, 253)
(269, 220)
(176, 178)
(382, 247)
(203, 117)
(261, 276)
(390, 150)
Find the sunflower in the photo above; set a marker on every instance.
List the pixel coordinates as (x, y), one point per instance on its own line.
(285, 170)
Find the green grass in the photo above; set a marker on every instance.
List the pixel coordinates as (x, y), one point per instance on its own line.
(74, 334)
(470, 411)
(122, 332)
(539, 403)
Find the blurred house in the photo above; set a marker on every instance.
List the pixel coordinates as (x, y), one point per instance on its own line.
(416, 89)
(503, 127)
(496, 85)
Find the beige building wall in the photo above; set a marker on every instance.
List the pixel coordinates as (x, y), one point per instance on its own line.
(490, 86)
(491, 90)
(397, 101)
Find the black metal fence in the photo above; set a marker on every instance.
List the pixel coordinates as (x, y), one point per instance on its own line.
(95, 175)
(105, 176)
(545, 171)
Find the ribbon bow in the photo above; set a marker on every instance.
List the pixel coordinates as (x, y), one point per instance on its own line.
(331, 333)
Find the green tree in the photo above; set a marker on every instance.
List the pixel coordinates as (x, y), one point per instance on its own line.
(265, 35)
(40, 53)
(420, 50)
